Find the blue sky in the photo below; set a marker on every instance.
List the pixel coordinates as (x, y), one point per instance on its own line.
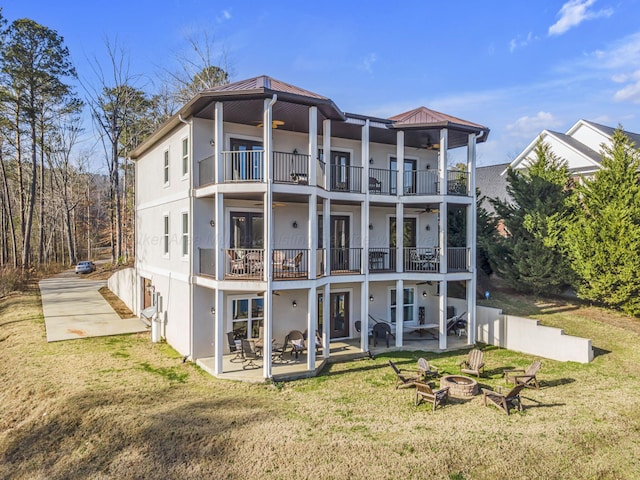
(515, 66)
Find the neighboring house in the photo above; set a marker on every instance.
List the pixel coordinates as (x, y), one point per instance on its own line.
(262, 206)
(492, 184)
(581, 147)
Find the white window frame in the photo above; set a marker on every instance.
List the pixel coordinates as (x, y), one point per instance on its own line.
(166, 161)
(185, 234)
(166, 234)
(415, 304)
(185, 157)
(250, 318)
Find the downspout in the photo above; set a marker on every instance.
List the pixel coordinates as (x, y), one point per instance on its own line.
(191, 223)
(268, 230)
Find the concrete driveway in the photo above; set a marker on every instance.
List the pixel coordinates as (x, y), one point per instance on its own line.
(73, 308)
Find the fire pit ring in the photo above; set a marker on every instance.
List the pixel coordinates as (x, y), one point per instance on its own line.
(459, 385)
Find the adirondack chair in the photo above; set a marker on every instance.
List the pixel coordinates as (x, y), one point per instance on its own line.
(504, 401)
(526, 377)
(474, 363)
(404, 380)
(424, 392)
(425, 370)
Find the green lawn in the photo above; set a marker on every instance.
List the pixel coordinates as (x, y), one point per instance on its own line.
(123, 407)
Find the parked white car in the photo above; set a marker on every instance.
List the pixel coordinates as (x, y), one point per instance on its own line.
(85, 267)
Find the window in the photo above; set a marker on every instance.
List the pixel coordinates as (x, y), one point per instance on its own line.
(185, 156)
(408, 306)
(166, 167)
(185, 234)
(247, 322)
(165, 240)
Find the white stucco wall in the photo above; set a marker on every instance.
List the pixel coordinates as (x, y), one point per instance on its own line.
(123, 284)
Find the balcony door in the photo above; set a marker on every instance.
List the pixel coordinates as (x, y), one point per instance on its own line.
(247, 230)
(340, 172)
(246, 162)
(339, 317)
(339, 242)
(408, 237)
(409, 183)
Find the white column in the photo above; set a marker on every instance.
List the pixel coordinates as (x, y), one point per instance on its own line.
(218, 139)
(442, 237)
(442, 160)
(268, 332)
(364, 143)
(399, 237)
(472, 232)
(312, 230)
(268, 235)
(326, 231)
(326, 306)
(313, 145)
(218, 216)
(326, 151)
(219, 331)
(364, 313)
(442, 307)
(400, 162)
(312, 316)
(399, 311)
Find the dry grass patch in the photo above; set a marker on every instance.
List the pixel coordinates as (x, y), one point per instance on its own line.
(123, 407)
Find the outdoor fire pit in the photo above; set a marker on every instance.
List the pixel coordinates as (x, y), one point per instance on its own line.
(459, 386)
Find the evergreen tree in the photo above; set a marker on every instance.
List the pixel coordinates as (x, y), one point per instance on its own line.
(530, 254)
(603, 237)
(486, 234)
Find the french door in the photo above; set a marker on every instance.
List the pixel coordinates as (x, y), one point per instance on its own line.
(409, 180)
(340, 172)
(339, 242)
(408, 238)
(247, 230)
(339, 318)
(246, 160)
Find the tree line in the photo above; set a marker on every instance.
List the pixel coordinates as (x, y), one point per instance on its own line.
(558, 231)
(61, 199)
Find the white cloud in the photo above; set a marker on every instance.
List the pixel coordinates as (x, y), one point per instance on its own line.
(367, 63)
(520, 42)
(573, 13)
(631, 91)
(529, 127)
(224, 16)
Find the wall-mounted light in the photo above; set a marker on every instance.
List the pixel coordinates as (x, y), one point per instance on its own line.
(212, 223)
(294, 304)
(371, 298)
(295, 151)
(424, 293)
(213, 310)
(428, 166)
(212, 142)
(428, 227)
(294, 224)
(371, 226)
(371, 161)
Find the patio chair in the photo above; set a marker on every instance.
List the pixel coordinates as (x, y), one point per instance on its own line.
(296, 340)
(474, 363)
(277, 258)
(233, 347)
(255, 262)
(249, 354)
(456, 323)
(424, 392)
(237, 263)
(404, 380)
(318, 340)
(504, 401)
(292, 264)
(278, 351)
(381, 331)
(425, 370)
(526, 377)
(418, 261)
(375, 185)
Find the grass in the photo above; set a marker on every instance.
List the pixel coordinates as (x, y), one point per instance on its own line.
(123, 407)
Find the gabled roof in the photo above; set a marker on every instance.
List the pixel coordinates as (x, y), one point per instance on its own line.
(422, 116)
(578, 146)
(264, 83)
(634, 137)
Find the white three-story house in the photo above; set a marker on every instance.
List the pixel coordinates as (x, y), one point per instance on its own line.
(263, 208)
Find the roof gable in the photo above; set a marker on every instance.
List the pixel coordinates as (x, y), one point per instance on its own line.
(424, 116)
(264, 82)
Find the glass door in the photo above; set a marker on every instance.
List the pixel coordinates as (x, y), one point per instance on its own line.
(246, 160)
(339, 315)
(339, 242)
(409, 182)
(247, 230)
(408, 305)
(340, 162)
(408, 238)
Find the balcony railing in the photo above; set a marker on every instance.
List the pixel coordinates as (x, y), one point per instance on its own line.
(205, 171)
(457, 182)
(457, 259)
(243, 166)
(345, 178)
(421, 259)
(421, 182)
(290, 168)
(382, 259)
(207, 261)
(244, 264)
(380, 181)
(290, 263)
(346, 260)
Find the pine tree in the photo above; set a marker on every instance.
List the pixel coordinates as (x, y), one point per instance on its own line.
(530, 254)
(603, 237)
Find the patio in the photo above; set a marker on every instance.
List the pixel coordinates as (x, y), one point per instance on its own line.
(292, 368)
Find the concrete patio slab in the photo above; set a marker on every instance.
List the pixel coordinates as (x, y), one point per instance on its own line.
(74, 308)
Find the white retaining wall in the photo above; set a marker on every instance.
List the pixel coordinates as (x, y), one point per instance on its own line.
(528, 336)
(123, 284)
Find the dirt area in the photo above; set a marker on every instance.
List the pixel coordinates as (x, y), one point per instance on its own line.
(117, 304)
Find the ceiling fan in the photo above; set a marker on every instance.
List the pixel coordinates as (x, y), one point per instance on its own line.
(274, 124)
(261, 294)
(274, 204)
(428, 210)
(431, 146)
